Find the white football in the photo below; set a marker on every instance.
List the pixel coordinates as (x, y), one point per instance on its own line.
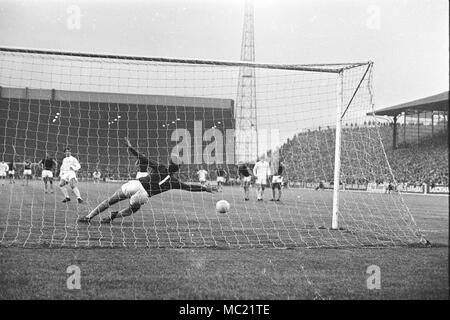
(222, 206)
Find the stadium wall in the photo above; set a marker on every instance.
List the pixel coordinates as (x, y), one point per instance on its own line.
(93, 124)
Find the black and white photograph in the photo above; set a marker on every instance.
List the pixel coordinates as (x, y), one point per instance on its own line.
(224, 154)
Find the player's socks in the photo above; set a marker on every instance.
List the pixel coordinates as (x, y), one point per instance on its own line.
(65, 192)
(77, 192)
(111, 217)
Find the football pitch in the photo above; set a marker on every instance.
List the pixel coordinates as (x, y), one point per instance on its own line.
(173, 256)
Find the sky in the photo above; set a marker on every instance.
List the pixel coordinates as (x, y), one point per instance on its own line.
(406, 39)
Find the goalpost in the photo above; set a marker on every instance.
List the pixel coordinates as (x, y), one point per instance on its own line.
(337, 153)
(317, 119)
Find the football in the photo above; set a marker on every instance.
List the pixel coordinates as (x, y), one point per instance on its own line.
(222, 206)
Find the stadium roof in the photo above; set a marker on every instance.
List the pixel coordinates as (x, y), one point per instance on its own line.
(437, 102)
(111, 97)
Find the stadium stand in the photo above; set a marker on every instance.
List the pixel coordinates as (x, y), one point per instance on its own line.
(308, 157)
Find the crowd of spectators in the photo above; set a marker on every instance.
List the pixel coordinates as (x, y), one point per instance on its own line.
(366, 156)
(426, 162)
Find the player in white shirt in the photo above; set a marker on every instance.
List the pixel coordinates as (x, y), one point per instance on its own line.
(262, 172)
(96, 175)
(3, 170)
(202, 176)
(68, 175)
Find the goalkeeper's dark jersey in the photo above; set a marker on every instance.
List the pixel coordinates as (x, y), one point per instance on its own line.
(27, 165)
(142, 164)
(161, 178)
(48, 163)
(155, 184)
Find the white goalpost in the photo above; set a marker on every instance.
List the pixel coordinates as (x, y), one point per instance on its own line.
(316, 119)
(337, 154)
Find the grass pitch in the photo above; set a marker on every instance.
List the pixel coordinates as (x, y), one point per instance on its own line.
(186, 271)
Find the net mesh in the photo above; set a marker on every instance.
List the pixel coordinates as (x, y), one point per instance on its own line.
(51, 101)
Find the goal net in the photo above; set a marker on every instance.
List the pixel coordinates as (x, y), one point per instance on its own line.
(316, 120)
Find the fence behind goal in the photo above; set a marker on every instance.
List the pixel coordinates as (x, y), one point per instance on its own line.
(90, 102)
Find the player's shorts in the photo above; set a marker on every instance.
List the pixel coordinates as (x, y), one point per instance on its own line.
(202, 180)
(141, 174)
(247, 180)
(221, 179)
(277, 179)
(261, 180)
(2, 173)
(276, 182)
(68, 175)
(27, 172)
(11, 172)
(135, 192)
(47, 174)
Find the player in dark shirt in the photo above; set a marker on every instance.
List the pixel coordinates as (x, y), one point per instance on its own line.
(27, 174)
(161, 179)
(245, 174)
(143, 164)
(277, 180)
(390, 187)
(11, 172)
(47, 164)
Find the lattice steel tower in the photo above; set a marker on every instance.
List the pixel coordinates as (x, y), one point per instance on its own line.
(245, 110)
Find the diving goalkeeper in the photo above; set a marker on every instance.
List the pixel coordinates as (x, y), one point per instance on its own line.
(138, 191)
